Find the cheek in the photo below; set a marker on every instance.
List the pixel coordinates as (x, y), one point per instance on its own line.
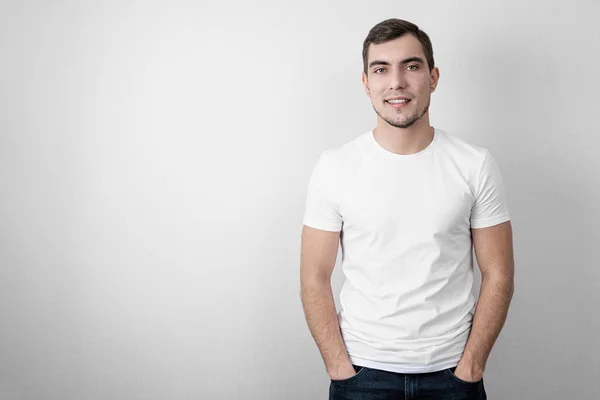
(376, 86)
(380, 92)
(425, 85)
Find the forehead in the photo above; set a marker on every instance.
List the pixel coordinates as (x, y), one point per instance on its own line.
(397, 49)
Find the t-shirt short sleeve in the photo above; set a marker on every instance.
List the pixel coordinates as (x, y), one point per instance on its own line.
(321, 211)
(490, 206)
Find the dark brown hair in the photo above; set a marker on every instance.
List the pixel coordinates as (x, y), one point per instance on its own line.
(394, 28)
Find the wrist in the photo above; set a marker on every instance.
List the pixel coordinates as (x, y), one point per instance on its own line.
(341, 371)
(469, 371)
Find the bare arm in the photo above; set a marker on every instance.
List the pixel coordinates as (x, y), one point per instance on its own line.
(494, 252)
(318, 254)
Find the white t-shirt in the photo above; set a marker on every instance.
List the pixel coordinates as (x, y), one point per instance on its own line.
(404, 223)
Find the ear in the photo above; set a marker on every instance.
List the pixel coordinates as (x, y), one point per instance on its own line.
(434, 77)
(365, 82)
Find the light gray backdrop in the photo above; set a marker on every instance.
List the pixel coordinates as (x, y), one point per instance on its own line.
(154, 158)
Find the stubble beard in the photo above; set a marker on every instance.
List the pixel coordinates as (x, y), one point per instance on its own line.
(411, 120)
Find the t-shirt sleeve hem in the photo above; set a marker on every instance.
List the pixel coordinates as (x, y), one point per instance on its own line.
(487, 222)
(322, 226)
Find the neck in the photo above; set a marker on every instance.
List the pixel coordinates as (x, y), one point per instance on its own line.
(404, 141)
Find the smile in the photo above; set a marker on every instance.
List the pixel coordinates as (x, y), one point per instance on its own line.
(398, 103)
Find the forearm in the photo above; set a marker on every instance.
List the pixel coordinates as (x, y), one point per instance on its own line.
(321, 317)
(490, 314)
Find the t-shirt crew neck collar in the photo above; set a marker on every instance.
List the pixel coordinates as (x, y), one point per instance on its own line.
(388, 154)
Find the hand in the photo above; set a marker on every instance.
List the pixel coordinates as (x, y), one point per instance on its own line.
(467, 374)
(346, 372)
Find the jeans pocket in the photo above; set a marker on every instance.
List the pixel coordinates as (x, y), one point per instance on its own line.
(360, 370)
(450, 373)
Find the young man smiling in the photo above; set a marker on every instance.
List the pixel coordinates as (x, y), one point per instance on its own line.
(408, 202)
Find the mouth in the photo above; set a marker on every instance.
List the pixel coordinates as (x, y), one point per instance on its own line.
(398, 102)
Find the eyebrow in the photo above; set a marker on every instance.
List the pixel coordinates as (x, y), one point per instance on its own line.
(405, 61)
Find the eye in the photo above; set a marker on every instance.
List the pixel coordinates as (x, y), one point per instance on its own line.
(378, 69)
(415, 67)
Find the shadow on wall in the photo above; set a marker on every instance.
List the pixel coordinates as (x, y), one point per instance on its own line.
(534, 140)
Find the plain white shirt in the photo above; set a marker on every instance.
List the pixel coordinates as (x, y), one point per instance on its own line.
(404, 223)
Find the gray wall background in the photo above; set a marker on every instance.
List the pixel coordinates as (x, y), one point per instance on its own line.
(154, 159)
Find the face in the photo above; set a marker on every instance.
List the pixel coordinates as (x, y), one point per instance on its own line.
(398, 81)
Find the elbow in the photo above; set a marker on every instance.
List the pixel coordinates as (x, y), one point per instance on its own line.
(504, 282)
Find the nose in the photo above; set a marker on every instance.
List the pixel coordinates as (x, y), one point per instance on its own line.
(398, 80)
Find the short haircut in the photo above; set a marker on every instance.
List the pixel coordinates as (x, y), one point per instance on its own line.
(394, 28)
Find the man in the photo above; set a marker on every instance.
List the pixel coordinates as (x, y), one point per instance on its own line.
(408, 202)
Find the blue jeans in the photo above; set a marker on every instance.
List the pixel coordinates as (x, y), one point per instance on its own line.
(375, 384)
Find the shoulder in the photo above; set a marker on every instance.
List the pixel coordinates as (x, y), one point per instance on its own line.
(460, 148)
(466, 155)
(463, 158)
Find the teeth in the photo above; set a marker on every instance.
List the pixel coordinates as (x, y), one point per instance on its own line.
(397, 101)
